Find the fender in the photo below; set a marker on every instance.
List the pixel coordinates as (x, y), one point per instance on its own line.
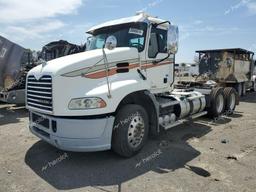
(148, 101)
(119, 89)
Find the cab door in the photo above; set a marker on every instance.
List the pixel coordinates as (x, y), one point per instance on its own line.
(159, 68)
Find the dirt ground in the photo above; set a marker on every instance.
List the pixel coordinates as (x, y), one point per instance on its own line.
(201, 156)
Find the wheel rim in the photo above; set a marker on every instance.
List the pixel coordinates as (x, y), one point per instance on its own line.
(136, 131)
(232, 101)
(220, 103)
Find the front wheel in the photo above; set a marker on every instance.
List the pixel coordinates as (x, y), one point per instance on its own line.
(130, 130)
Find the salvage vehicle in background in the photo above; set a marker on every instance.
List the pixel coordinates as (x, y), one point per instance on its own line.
(119, 92)
(229, 68)
(60, 48)
(16, 61)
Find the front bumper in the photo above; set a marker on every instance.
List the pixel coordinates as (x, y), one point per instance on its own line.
(80, 135)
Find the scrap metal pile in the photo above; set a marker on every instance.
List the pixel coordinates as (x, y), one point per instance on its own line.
(59, 49)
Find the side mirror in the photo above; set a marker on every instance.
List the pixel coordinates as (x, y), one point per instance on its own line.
(172, 39)
(111, 42)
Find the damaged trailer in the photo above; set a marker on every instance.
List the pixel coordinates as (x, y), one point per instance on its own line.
(226, 68)
(229, 67)
(16, 61)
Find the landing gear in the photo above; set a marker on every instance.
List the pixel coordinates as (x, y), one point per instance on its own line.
(244, 89)
(239, 89)
(254, 86)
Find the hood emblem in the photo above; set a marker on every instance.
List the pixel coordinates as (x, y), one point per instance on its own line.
(37, 76)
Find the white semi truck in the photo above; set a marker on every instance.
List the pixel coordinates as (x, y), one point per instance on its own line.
(119, 92)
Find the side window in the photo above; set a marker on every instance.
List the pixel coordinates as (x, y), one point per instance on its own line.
(161, 39)
(96, 42)
(157, 42)
(100, 42)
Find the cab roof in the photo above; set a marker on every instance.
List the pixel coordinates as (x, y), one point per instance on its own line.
(139, 17)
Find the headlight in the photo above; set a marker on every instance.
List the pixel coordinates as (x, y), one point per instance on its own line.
(87, 103)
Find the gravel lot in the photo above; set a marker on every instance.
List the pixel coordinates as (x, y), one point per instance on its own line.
(202, 156)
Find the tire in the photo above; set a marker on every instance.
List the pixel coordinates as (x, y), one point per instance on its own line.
(131, 129)
(243, 89)
(217, 102)
(239, 89)
(231, 97)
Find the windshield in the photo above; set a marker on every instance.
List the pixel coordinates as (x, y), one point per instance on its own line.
(127, 35)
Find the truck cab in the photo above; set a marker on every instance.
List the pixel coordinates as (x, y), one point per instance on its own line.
(117, 93)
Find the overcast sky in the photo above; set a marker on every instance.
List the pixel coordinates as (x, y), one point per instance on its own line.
(204, 24)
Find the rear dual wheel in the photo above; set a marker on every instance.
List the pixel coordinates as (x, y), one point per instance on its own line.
(231, 98)
(222, 100)
(217, 102)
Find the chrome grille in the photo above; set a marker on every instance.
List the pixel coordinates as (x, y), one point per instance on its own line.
(39, 92)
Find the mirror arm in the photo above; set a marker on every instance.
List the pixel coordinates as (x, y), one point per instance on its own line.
(159, 61)
(157, 24)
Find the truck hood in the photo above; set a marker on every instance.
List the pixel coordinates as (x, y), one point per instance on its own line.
(83, 60)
